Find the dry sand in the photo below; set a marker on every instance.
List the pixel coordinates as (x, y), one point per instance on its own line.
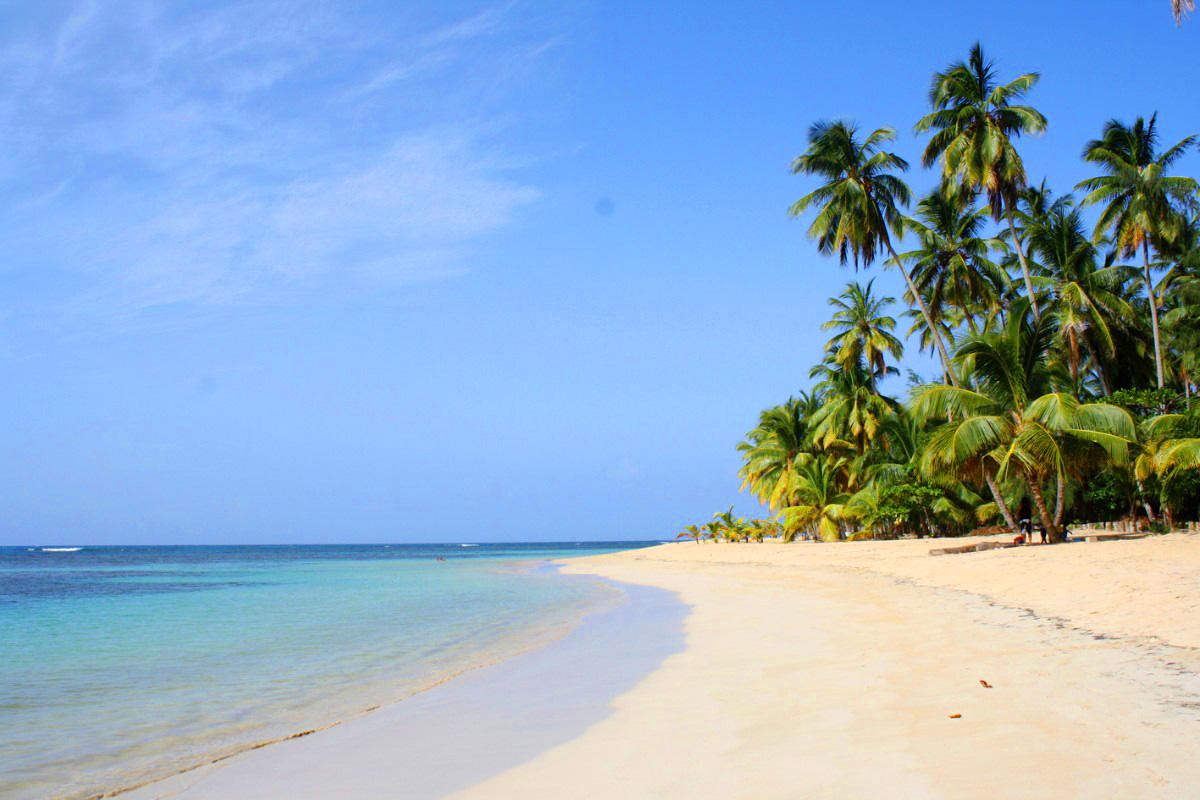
(832, 671)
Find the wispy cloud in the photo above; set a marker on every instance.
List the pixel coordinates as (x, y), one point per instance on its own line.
(171, 157)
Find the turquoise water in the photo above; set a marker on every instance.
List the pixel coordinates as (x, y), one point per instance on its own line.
(118, 665)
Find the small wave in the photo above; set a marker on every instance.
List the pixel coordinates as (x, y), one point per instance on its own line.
(468, 545)
(61, 549)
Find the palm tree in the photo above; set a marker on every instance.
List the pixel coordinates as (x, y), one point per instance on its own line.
(732, 527)
(975, 120)
(950, 265)
(1012, 419)
(864, 330)
(821, 501)
(691, 532)
(1183, 329)
(1141, 201)
(764, 528)
(769, 452)
(1172, 446)
(1087, 300)
(859, 202)
(852, 412)
(1181, 7)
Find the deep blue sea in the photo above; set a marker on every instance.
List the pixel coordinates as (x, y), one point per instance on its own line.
(122, 664)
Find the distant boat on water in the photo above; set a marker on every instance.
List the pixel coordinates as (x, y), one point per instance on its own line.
(61, 549)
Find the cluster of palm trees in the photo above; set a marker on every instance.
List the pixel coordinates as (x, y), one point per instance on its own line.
(1067, 352)
(725, 527)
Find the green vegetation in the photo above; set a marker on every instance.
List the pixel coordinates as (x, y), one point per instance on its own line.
(1069, 350)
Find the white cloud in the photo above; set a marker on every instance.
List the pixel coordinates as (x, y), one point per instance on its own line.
(178, 157)
(406, 215)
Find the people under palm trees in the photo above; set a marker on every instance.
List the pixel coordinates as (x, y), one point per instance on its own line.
(1015, 417)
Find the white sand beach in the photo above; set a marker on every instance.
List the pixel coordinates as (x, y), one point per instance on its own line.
(835, 671)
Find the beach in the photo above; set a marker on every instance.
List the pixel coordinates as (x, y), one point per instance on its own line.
(851, 670)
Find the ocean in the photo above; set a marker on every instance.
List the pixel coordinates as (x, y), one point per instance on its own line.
(119, 665)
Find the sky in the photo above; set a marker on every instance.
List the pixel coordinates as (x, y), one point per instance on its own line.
(387, 271)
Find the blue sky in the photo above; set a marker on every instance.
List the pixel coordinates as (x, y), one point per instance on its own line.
(321, 271)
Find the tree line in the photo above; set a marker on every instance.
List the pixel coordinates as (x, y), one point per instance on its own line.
(1068, 348)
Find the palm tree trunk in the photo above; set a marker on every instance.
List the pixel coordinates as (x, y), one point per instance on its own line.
(920, 301)
(1005, 511)
(1059, 498)
(1158, 359)
(1099, 366)
(1012, 231)
(1035, 490)
(1145, 502)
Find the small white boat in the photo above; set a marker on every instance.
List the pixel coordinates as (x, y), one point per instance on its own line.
(61, 549)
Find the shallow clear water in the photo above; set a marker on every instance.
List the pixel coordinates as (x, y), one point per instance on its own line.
(122, 664)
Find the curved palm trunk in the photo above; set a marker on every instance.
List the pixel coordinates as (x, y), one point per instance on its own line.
(1005, 511)
(937, 336)
(1158, 359)
(1060, 487)
(1145, 503)
(1035, 490)
(1100, 373)
(1012, 231)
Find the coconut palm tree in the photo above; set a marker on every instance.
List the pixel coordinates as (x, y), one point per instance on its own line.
(864, 330)
(975, 121)
(764, 529)
(1181, 7)
(769, 452)
(1013, 419)
(1172, 446)
(1141, 201)
(852, 412)
(860, 201)
(950, 265)
(733, 528)
(1182, 320)
(821, 501)
(692, 532)
(1086, 296)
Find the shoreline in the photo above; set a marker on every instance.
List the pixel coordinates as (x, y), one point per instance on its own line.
(532, 638)
(447, 712)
